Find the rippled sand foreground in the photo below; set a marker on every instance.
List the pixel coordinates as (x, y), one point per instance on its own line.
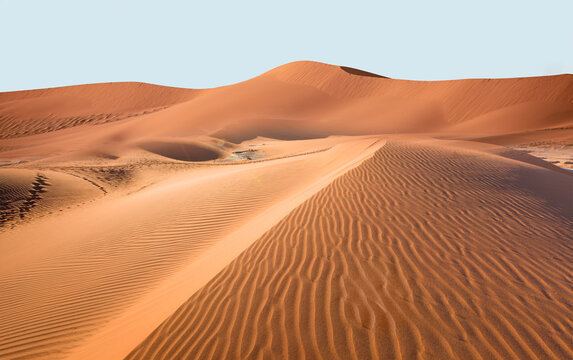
(371, 218)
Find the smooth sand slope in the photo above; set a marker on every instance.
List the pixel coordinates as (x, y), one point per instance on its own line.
(314, 211)
(294, 101)
(113, 251)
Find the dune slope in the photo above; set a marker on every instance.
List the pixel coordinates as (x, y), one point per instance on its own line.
(423, 251)
(294, 101)
(314, 211)
(32, 112)
(58, 287)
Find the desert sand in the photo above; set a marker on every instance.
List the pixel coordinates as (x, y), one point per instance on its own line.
(314, 211)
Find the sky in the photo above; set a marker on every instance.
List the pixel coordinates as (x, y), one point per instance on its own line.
(201, 44)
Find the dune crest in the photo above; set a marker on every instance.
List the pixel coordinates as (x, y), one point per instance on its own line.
(389, 266)
(314, 211)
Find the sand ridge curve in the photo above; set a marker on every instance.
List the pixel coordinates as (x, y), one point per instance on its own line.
(372, 218)
(119, 249)
(418, 253)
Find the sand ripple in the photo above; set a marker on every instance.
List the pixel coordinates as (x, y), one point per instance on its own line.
(424, 251)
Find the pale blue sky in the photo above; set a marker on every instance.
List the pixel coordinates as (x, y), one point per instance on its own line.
(200, 44)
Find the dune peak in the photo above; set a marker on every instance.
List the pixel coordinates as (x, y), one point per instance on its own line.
(314, 211)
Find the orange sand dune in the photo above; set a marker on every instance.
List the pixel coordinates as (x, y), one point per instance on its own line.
(39, 111)
(294, 101)
(423, 251)
(115, 250)
(314, 211)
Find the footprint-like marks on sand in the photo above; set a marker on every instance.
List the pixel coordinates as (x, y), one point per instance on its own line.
(18, 204)
(34, 195)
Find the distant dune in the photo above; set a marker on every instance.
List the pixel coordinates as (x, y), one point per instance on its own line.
(314, 211)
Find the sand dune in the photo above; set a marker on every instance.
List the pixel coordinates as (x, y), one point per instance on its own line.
(115, 250)
(405, 256)
(314, 211)
(295, 101)
(39, 111)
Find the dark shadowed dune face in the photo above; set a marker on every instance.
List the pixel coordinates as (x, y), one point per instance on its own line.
(354, 71)
(279, 129)
(180, 151)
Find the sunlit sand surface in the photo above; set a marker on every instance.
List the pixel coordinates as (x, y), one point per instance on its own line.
(314, 211)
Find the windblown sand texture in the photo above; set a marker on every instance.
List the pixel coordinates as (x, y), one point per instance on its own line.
(315, 212)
